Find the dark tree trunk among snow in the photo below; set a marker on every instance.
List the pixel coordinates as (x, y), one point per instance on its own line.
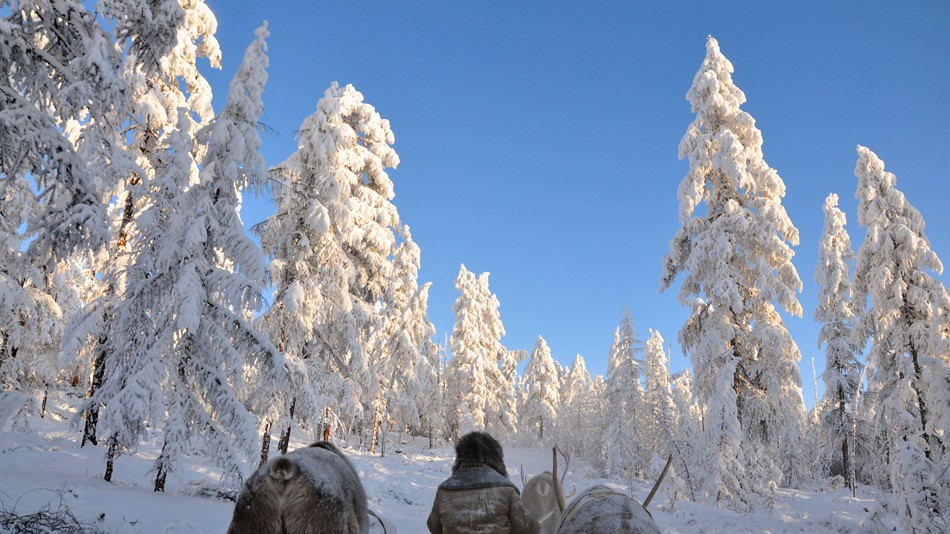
(110, 458)
(43, 403)
(265, 445)
(921, 403)
(284, 441)
(92, 414)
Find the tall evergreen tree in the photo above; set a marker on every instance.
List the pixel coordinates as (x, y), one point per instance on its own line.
(624, 451)
(736, 260)
(400, 345)
(170, 101)
(542, 400)
(579, 416)
(482, 397)
(331, 244)
(59, 94)
(907, 323)
(836, 315)
(216, 275)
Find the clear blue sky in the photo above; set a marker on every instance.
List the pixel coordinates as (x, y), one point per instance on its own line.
(539, 140)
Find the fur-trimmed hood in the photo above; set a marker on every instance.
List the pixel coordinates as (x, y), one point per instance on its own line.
(479, 449)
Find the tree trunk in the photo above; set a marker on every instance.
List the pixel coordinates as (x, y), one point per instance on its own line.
(375, 439)
(160, 477)
(846, 462)
(98, 375)
(43, 404)
(921, 402)
(326, 423)
(110, 458)
(265, 445)
(284, 441)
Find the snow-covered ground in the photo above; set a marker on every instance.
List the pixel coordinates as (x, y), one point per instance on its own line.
(45, 468)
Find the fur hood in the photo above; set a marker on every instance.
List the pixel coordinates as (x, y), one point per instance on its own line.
(479, 449)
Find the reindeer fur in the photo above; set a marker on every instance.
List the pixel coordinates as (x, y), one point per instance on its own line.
(540, 501)
(310, 490)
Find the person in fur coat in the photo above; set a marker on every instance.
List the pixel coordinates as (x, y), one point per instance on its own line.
(479, 498)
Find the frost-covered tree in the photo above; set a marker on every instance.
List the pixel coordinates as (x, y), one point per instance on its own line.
(579, 416)
(401, 344)
(431, 378)
(842, 375)
(216, 274)
(623, 449)
(59, 70)
(906, 322)
(169, 101)
(688, 425)
(481, 395)
(542, 398)
(59, 93)
(331, 244)
(661, 428)
(735, 258)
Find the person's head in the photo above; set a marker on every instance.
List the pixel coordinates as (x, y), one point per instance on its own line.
(479, 449)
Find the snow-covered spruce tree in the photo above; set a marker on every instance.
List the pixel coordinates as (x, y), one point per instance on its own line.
(59, 72)
(842, 373)
(735, 257)
(624, 452)
(331, 243)
(542, 401)
(688, 425)
(662, 434)
(479, 394)
(906, 321)
(400, 345)
(660, 424)
(579, 415)
(169, 101)
(215, 273)
(145, 34)
(431, 382)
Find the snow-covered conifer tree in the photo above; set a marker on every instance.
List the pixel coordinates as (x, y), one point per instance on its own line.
(662, 433)
(331, 244)
(542, 400)
(657, 396)
(169, 102)
(735, 257)
(59, 70)
(906, 321)
(401, 344)
(579, 414)
(481, 395)
(688, 425)
(216, 273)
(624, 451)
(431, 382)
(59, 77)
(836, 315)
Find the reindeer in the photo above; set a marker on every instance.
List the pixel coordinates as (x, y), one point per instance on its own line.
(313, 489)
(598, 510)
(539, 496)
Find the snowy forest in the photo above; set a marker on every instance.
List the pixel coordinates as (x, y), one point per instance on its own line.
(129, 280)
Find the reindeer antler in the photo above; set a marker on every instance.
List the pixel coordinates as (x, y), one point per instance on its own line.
(558, 488)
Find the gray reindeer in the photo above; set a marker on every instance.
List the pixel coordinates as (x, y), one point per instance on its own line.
(598, 510)
(540, 498)
(310, 490)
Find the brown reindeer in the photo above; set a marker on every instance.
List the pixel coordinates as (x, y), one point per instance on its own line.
(310, 490)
